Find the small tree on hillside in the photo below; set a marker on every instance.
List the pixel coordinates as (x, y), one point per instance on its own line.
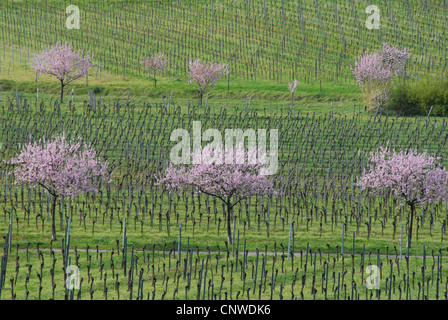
(375, 71)
(203, 76)
(415, 177)
(292, 86)
(155, 63)
(63, 63)
(230, 176)
(61, 167)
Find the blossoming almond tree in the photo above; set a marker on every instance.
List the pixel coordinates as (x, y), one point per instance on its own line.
(155, 63)
(203, 76)
(415, 177)
(63, 63)
(374, 72)
(61, 167)
(230, 175)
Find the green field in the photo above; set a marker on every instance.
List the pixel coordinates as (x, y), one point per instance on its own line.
(314, 240)
(267, 43)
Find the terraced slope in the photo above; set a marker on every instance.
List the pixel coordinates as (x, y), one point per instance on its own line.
(261, 39)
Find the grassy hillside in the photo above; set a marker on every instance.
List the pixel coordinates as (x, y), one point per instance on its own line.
(267, 43)
(261, 39)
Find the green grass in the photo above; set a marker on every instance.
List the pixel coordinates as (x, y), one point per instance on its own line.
(263, 39)
(328, 135)
(193, 29)
(165, 278)
(263, 94)
(103, 228)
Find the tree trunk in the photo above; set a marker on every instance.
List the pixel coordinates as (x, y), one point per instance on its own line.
(292, 102)
(155, 80)
(412, 204)
(200, 99)
(62, 91)
(229, 229)
(53, 214)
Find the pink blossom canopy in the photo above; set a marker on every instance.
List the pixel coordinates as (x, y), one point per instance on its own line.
(204, 76)
(416, 177)
(223, 173)
(380, 66)
(155, 62)
(62, 62)
(62, 167)
(292, 86)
